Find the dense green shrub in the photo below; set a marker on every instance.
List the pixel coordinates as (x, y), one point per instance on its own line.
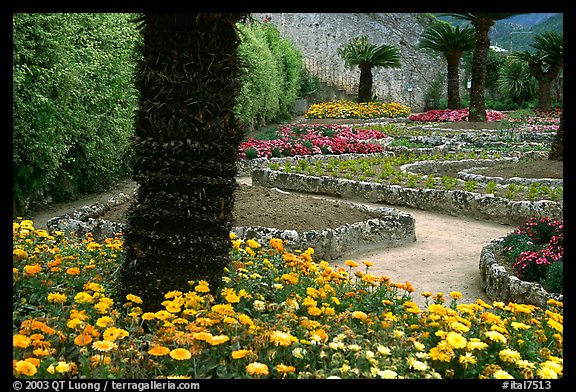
(289, 63)
(271, 78)
(73, 103)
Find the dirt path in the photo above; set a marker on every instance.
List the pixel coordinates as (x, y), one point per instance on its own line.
(444, 257)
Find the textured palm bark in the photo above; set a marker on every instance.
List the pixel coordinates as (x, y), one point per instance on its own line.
(453, 60)
(557, 149)
(185, 146)
(365, 86)
(477, 104)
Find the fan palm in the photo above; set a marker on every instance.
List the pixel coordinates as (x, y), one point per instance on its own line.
(516, 81)
(482, 23)
(359, 52)
(185, 145)
(452, 42)
(545, 64)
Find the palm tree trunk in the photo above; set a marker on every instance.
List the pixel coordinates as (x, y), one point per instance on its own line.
(365, 86)
(453, 81)
(480, 54)
(557, 149)
(185, 148)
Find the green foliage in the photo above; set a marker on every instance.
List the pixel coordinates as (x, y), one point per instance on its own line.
(73, 103)
(554, 280)
(271, 75)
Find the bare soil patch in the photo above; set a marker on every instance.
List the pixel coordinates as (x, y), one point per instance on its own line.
(269, 207)
(528, 168)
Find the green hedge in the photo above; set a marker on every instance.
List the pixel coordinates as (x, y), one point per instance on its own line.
(271, 78)
(73, 103)
(74, 98)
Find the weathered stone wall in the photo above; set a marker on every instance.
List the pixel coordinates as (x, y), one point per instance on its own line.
(502, 286)
(319, 35)
(452, 202)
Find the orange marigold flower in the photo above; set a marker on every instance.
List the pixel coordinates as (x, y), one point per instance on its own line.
(180, 354)
(257, 368)
(158, 351)
(82, 339)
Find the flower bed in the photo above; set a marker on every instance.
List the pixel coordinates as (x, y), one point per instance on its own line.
(301, 140)
(452, 115)
(277, 315)
(348, 109)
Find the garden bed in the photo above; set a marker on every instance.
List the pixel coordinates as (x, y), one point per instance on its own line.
(332, 228)
(500, 283)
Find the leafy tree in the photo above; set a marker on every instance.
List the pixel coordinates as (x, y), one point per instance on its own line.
(545, 64)
(359, 52)
(185, 150)
(482, 23)
(452, 42)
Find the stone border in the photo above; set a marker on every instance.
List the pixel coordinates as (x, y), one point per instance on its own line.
(499, 285)
(388, 227)
(453, 202)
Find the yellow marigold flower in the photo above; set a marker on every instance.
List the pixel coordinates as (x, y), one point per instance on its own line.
(555, 325)
(245, 319)
(415, 364)
(238, 354)
(148, 316)
(158, 351)
(456, 295)
(419, 346)
(280, 338)
(83, 297)
(495, 336)
(547, 373)
(104, 321)
(368, 263)
(19, 254)
(104, 345)
(357, 314)
(232, 236)
(426, 294)
(314, 311)
(93, 245)
(114, 333)
(467, 359)
(257, 369)
(516, 325)
(290, 278)
(459, 327)
(172, 307)
(202, 287)
(21, 341)
(252, 243)
(218, 339)
(285, 369)
(82, 339)
(223, 309)
(508, 355)
(26, 368)
(32, 269)
(277, 244)
(163, 315)
(180, 354)
(41, 352)
(476, 344)
(455, 340)
(502, 374)
(388, 374)
(319, 335)
(230, 295)
(134, 298)
(351, 263)
(554, 302)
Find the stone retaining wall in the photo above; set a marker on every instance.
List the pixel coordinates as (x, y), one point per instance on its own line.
(452, 202)
(502, 286)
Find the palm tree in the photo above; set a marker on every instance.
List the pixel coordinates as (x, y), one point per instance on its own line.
(185, 145)
(452, 42)
(545, 65)
(359, 52)
(516, 82)
(482, 23)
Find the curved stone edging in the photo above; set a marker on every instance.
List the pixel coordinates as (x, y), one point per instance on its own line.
(388, 227)
(453, 202)
(501, 286)
(466, 175)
